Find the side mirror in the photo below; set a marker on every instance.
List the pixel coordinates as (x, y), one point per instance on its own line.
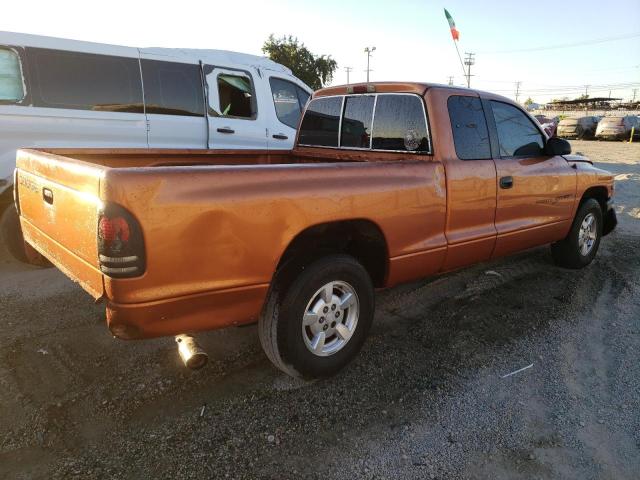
(557, 146)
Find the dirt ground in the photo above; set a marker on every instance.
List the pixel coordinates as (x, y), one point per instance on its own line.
(426, 398)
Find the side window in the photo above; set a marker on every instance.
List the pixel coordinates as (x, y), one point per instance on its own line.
(321, 122)
(236, 96)
(172, 88)
(469, 127)
(11, 83)
(287, 102)
(517, 134)
(303, 97)
(399, 124)
(84, 81)
(356, 122)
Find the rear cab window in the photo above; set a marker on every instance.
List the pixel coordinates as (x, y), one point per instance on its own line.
(12, 88)
(382, 122)
(469, 127)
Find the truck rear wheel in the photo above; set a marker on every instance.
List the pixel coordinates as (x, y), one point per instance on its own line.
(579, 248)
(12, 239)
(319, 324)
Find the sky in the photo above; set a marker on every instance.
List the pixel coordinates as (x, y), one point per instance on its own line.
(412, 38)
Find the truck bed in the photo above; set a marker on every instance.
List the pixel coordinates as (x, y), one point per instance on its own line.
(218, 222)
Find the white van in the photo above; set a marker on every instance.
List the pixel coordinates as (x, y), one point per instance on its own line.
(67, 93)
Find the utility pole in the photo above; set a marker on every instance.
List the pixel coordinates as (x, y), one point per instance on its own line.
(450, 77)
(518, 83)
(635, 91)
(348, 70)
(368, 51)
(586, 91)
(468, 61)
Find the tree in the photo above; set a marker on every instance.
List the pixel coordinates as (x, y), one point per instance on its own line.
(528, 102)
(316, 71)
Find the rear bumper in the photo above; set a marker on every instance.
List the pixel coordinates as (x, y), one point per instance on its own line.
(186, 314)
(610, 219)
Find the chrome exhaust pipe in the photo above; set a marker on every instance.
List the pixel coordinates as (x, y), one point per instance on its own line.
(192, 355)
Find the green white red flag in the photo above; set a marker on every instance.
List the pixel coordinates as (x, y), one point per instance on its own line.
(452, 25)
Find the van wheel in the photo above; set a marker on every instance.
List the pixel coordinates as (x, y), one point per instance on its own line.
(319, 324)
(579, 248)
(11, 235)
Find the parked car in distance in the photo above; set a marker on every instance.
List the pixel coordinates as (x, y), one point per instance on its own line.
(388, 183)
(67, 93)
(548, 124)
(578, 127)
(617, 128)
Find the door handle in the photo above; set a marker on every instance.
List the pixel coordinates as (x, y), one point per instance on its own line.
(280, 136)
(226, 130)
(47, 196)
(506, 182)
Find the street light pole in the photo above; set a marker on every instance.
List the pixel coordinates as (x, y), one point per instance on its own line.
(368, 51)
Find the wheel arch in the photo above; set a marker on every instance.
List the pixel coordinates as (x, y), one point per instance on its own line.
(361, 238)
(600, 193)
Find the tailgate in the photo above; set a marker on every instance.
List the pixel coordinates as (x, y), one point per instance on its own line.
(58, 201)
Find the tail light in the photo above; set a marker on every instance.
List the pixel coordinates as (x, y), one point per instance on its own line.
(120, 243)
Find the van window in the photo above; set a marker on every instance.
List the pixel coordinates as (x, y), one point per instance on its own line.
(172, 88)
(289, 100)
(83, 81)
(321, 122)
(356, 122)
(399, 124)
(236, 95)
(11, 84)
(469, 127)
(517, 135)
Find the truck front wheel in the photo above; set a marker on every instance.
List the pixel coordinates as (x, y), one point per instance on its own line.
(319, 324)
(579, 248)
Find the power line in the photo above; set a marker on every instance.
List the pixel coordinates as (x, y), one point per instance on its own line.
(566, 45)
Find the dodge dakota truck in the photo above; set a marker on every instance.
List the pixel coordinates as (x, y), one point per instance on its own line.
(387, 183)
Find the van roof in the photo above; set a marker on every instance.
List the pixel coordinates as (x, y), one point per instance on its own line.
(215, 57)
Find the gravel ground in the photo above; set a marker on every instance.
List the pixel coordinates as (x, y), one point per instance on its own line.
(427, 397)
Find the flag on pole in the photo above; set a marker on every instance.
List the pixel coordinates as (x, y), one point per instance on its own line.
(452, 25)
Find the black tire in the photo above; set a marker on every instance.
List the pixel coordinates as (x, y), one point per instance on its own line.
(280, 326)
(11, 237)
(566, 253)
(11, 234)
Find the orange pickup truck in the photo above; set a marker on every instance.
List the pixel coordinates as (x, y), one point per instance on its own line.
(388, 183)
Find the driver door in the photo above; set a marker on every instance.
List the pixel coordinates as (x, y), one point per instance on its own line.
(535, 192)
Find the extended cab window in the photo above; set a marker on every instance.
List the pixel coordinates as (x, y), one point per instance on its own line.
(356, 122)
(11, 84)
(173, 88)
(400, 124)
(84, 81)
(469, 127)
(236, 96)
(321, 122)
(517, 135)
(289, 100)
